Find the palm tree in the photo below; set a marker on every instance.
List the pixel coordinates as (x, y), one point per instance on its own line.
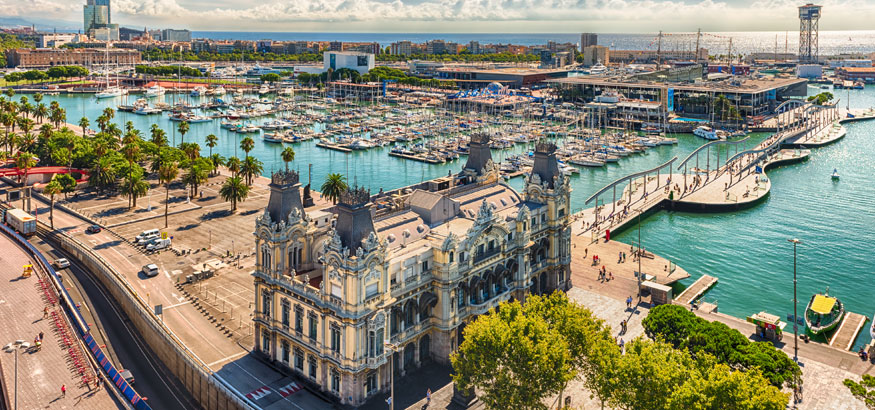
(134, 186)
(288, 155)
(102, 173)
(52, 188)
(26, 125)
(183, 128)
(195, 176)
(159, 137)
(166, 174)
(247, 144)
(109, 113)
(83, 123)
(217, 160)
(251, 168)
(233, 165)
(25, 161)
(8, 121)
(102, 122)
(212, 141)
(334, 185)
(131, 151)
(38, 98)
(58, 116)
(234, 190)
(191, 149)
(40, 112)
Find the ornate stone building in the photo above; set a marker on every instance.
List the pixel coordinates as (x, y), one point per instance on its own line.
(342, 292)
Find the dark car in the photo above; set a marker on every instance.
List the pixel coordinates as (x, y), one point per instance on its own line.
(127, 375)
(93, 229)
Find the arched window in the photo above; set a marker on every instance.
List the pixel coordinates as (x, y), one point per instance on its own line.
(265, 259)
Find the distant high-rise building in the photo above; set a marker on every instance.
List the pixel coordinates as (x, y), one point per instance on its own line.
(96, 15)
(588, 39)
(175, 35)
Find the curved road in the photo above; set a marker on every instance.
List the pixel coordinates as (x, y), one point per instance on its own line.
(125, 346)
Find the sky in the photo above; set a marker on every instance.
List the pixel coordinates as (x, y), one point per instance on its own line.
(457, 16)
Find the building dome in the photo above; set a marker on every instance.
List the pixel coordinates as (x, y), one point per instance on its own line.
(494, 87)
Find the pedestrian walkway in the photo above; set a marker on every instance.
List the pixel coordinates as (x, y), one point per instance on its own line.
(41, 372)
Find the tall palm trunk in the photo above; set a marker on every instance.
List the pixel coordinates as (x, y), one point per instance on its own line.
(166, 202)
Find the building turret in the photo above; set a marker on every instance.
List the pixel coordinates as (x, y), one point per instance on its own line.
(546, 166)
(479, 153)
(354, 219)
(285, 196)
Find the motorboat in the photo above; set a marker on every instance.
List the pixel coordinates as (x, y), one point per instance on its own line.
(198, 91)
(155, 91)
(273, 137)
(835, 174)
(872, 328)
(823, 313)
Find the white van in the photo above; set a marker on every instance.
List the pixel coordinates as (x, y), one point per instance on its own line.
(148, 233)
(158, 245)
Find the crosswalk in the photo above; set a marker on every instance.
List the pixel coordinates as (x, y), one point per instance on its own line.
(289, 389)
(258, 393)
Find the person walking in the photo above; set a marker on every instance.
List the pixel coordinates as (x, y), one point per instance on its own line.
(629, 302)
(45, 312)
(428, 397)
(99, 383)
(63, 390)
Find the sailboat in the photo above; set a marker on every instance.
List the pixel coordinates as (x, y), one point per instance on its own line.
(110, 91)
(823, 313)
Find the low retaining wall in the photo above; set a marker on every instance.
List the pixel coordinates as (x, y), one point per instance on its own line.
(207, 388)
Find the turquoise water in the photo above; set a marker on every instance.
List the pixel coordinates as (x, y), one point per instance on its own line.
(747, 250)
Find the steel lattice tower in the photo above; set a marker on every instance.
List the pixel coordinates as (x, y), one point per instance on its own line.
(809, 16)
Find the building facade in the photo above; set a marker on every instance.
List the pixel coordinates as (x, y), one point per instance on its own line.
(588, 40)
(335, 60)
(42, 58)
(342, 293)
(175, 35)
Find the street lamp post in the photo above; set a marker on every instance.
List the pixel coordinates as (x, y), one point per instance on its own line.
(795, 322)
(795, 313)
(391, 349)
(640, 211)
(15, 346)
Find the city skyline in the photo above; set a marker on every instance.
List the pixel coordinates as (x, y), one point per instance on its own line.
(459, 16)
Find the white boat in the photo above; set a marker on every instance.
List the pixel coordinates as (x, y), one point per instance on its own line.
(218, 91)
(111, 92)
(273, 137)
(264, 89)
(835, 174)
(872, 328)
(598, 68)
(198, 91)
(154, 91)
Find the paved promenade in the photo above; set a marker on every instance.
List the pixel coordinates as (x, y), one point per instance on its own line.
(40, 373)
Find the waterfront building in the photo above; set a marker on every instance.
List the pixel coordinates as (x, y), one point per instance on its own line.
(442, 47)
(513, 77)
(588, 40)
(410, 267)
(335, 60)
(850, 63)
(651, 56)
(55, 40)
(173, 35)
(866, 74)
(402, 48)
(593, 55)
(809, 71)
(677, 92)
(43, 58)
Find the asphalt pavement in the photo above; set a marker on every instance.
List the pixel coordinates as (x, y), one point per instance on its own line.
(126, 347)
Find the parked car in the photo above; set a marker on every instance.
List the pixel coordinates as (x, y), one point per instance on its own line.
(157, 246)
(93, 229)
(142, 240)
(150, 270)
(147, 233)
(61, 263)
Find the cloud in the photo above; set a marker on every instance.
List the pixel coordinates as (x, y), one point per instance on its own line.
(462, 15)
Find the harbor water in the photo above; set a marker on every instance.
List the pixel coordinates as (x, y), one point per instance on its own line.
(747, 250)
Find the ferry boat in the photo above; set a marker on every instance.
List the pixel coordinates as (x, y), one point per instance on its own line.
(705, 132)
(823, 313)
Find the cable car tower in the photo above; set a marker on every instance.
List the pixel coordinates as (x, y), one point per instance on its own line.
(809, 16)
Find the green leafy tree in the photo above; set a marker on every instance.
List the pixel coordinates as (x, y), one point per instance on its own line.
(334, 185)
(234, 190)
(270, 77)
(515, 359)
(197, 175)
(52, 188)
(67, 183)
(103, 173)
(863, 390)
(24, 161)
